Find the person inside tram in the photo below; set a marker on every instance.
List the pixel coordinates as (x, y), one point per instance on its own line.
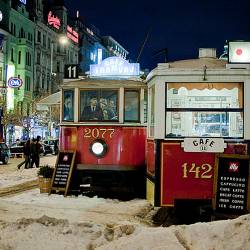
(104, 106)
(92, 111)
(68, 108)
(112, 109)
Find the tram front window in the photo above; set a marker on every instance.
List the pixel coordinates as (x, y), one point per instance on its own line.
(68, 100)
(98, 105)
(131, 106)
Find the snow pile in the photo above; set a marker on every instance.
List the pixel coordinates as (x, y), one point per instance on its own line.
(226, 235)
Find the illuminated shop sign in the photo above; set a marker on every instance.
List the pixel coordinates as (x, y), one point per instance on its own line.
(54, 20)
(72, 34)
(215, 145)
(23, 1)
(239, 52)
(115, 66)
(15, 82)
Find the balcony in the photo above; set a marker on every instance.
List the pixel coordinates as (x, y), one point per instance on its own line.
(24, 41)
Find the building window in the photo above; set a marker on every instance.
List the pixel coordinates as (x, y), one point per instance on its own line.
(28, 59)
(204, 109)
(38, 36)
(38, 58)
(1, 73)
(27, 83)
(21, 33)
(58, 66)
(19, 57)
(44, 41)
(12, 55)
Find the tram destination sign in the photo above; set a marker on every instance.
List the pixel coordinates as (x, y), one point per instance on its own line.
(213, 145)
(63, 171)
(114, 66)
(231, 184)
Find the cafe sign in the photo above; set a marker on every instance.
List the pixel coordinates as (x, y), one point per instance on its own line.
(209, 145)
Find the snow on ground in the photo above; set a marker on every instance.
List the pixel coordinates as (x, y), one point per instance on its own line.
(31, 220)
(10, 175)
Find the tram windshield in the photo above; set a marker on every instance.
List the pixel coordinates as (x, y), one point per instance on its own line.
(99, 105)
(204, 109)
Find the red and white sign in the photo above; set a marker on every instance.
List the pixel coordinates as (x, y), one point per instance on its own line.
(233, 167)
(72, 34)
(15, 82)
(54, 20)
(239, 52)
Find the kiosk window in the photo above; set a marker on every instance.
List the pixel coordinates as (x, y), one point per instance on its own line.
(131, 106)
(151, 111)
(204, 109)
(98, 105)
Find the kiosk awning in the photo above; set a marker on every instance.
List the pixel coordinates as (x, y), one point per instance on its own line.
(48, 101)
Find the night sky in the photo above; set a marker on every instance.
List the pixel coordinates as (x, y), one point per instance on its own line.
(181, 26)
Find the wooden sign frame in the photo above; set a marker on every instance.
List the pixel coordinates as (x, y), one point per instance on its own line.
(72, 162)
(215, 187)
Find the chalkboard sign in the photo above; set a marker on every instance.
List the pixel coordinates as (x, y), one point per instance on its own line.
(231, 184)
(63, 171)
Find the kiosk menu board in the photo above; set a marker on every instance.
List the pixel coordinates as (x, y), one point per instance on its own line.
(63, 171)
(231, 184)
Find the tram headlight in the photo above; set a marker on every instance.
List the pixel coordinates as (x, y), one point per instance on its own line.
(98, 148)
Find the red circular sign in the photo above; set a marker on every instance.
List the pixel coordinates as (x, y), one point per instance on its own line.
(239, 52)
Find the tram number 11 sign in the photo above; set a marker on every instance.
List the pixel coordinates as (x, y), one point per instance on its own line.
(71, 71)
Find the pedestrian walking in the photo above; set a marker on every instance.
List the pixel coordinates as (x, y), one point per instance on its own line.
(26, 152)
(35, 150)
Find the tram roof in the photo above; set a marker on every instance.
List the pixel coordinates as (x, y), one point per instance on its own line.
(101, 82)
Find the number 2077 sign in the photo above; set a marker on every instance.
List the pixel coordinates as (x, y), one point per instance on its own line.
(71, 71)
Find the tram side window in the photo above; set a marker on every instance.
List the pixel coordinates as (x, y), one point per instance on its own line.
(99, 105)
(68, 105)
(204, 109)
(131, 106)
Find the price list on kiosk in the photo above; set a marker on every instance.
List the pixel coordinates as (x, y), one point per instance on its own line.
(232, 185)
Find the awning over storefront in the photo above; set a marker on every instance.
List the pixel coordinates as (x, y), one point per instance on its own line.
(49, 101)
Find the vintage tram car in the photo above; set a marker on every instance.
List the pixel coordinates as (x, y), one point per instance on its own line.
(104, 121)
(197, 109)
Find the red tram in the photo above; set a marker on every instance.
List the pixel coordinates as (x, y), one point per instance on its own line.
(104, 121)
(197, 109)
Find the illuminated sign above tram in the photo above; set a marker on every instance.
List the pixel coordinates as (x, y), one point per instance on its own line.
(115, 66)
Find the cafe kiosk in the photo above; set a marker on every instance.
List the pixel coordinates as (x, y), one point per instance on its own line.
(199, 111)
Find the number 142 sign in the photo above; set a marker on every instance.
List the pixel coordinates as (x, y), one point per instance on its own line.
(71, 71)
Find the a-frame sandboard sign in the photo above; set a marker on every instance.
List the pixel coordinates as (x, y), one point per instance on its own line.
(63, 171)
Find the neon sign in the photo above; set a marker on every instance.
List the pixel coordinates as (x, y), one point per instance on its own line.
(72, 34)
(115, 66)
(15, 82)
(54, 20)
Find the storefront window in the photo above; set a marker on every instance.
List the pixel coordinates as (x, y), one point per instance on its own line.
(99, 105)
(131, 106)
(68, 105)
(204, 109)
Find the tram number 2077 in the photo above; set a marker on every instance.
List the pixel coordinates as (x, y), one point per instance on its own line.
(98, 132)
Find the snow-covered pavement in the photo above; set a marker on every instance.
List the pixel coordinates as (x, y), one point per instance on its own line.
(31, 220)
